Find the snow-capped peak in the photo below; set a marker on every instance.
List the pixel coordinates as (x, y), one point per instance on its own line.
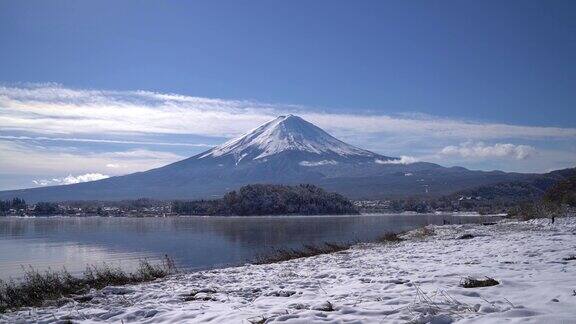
(285, 133)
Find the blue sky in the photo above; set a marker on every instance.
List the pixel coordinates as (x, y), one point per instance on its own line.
(108, 87)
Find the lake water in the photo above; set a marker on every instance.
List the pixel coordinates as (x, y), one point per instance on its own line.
(193, 242)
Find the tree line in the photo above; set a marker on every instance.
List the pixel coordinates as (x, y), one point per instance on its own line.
(15, 204)
(18, 206)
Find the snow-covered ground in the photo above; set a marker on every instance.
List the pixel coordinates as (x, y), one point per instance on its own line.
(412, 281)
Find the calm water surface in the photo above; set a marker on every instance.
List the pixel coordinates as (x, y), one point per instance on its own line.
(194, 242)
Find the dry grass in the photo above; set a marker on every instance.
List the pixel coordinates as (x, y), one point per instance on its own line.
(280, 255)
(436, 303)
(390, 238)
(37, 287)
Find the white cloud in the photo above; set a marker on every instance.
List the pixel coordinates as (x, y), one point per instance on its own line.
(402, 160)
(56, 110)
(432, 127)
(483, 151)
(52, 109)
(71, 179)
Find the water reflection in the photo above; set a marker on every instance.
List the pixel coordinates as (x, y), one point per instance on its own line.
(194, 242)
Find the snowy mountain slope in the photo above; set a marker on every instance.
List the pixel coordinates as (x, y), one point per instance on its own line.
(285, 133)
(286, 150)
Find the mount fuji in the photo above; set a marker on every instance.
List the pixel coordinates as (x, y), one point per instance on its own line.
(286, 150)
(288, 134)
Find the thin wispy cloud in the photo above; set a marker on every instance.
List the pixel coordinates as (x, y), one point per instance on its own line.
(105, 141)
(51, 110)
(51, 163)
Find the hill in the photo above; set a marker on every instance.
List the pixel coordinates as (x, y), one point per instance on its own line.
(556, 186)
(263, 199)
(563, 192)
(519, 191)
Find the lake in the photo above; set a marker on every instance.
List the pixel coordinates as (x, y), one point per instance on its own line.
(193, 242)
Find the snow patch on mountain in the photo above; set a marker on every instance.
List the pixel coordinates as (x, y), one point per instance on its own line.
(318, 163)
(285, 133)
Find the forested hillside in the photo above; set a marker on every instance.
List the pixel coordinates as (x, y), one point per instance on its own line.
(263, 199)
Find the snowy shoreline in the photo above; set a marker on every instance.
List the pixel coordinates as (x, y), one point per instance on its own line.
(416, 280)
